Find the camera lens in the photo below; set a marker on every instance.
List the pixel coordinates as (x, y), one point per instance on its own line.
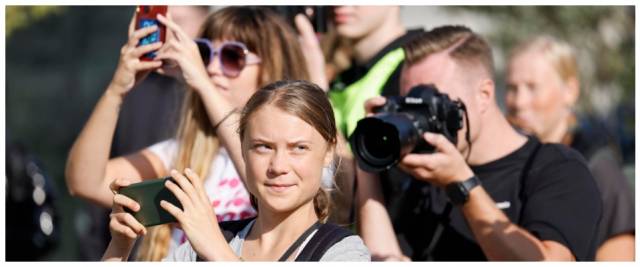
(380, 141)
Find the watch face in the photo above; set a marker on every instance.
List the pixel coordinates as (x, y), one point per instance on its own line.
(457, 193)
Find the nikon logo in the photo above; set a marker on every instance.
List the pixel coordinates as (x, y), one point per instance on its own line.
(413, 100)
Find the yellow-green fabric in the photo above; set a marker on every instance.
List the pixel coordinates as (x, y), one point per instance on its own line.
(348, 104)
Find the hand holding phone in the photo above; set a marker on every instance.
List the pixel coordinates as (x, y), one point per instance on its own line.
(145, 17)
(148, 194)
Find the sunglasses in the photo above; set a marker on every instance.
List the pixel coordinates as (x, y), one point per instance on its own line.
(233, 56)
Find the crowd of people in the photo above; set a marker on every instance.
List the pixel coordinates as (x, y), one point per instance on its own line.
(262, 169)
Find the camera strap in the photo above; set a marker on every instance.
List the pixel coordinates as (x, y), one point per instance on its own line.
(467, 135)
(443, 219)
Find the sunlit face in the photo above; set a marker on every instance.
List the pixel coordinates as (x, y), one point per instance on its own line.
(536, 99)
(284, 158)
(355, 22)
(441, 71)
(236, 90)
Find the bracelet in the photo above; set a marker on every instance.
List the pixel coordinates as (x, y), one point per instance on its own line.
(215, 127)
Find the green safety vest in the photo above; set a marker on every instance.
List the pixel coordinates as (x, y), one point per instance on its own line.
(348, 103)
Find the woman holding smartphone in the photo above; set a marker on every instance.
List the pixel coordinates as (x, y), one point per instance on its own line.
(241, 49)
(288, 137)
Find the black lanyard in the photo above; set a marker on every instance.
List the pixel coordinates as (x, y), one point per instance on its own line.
(298, 242)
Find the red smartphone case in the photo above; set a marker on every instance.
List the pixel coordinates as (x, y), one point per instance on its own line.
(146, 16)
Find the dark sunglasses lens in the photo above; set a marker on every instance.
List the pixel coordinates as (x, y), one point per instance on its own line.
(233, 59)
(205, 52)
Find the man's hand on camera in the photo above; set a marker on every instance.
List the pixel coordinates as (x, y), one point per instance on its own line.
(372, 103)
(444, 166)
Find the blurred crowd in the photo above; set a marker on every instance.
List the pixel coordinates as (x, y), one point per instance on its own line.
(335, 134)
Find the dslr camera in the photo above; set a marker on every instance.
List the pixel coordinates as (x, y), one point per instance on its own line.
(380, 141)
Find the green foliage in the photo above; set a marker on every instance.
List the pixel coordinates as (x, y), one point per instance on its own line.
(18, 17)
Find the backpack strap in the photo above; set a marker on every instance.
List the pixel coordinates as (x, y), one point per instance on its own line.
(231, 228)
(328, 234)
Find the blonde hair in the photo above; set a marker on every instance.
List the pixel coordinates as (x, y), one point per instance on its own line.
(557, 52)
(263, 32)
(308, 102)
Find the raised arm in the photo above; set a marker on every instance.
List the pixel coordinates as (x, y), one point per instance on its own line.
(88, 170)
(374, 224)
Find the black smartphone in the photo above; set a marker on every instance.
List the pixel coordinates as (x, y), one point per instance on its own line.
(145, 17)
(149, 194)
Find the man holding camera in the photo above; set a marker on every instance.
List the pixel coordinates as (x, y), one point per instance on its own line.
(492, 195)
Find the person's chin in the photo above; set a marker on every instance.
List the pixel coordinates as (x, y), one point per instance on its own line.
(348, 31)
(279, 204)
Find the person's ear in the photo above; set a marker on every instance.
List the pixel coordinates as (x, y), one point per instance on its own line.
(330, 155)
(485, 94)
(572, 91)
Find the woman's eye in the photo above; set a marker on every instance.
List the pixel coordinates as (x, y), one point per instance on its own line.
(261, 147)
(300, 148)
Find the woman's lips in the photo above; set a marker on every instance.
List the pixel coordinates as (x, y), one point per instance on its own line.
(279, 187)
(341, 18)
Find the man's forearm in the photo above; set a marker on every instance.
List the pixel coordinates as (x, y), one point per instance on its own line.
(500, 239)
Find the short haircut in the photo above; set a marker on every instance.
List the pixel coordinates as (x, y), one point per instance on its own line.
(459, 42)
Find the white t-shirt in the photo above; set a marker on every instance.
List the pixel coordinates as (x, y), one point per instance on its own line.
(226, 191)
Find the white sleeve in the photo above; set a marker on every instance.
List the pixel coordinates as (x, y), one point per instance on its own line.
(183, 253)
(166, 151)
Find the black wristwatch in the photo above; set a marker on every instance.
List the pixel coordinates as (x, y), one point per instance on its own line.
(458, 192)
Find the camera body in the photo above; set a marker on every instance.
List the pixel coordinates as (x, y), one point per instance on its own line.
(146, 17)
(397, 128)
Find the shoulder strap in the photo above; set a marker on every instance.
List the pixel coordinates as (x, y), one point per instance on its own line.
(325, 238)
(527, 168)
(299, 241)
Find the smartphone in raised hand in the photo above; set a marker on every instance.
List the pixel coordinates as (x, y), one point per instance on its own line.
(148, 194)
(145, 17)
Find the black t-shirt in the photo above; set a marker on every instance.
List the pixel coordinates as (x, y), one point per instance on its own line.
(556, 200)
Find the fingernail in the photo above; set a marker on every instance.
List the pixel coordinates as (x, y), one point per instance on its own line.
(187, 170)
(174, 172)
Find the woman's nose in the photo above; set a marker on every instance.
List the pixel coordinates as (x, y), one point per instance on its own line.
(279, 165)
(214, 67)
